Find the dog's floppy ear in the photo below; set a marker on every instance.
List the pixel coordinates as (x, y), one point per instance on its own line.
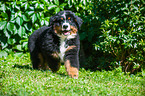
(52, 20)
(78, 20)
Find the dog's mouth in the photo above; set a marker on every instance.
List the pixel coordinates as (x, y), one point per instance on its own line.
(66, 32)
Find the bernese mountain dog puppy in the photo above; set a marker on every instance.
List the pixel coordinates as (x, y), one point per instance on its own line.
(49, 46)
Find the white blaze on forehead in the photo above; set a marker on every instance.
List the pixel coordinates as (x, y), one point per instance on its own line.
(64, 15)
(65, 23)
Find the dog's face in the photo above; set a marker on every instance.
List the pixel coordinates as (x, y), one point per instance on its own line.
(66, 23)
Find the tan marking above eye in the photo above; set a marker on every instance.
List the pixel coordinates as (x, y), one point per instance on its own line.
(69, 18)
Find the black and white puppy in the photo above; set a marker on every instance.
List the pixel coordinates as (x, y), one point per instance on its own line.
(49, 46)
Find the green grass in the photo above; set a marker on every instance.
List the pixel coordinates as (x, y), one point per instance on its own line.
(18, 78)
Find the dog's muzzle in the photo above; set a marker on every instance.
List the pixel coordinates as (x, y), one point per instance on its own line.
(65, 27)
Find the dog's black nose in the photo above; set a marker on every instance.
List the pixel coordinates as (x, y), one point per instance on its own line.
(65, 26)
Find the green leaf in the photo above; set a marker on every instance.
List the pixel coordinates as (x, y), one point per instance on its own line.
(21, 31)
(63, 5)
(46, 23)
(15, 30)
(34, 2)
(38, 16)
(12, 17)
(57, 10)
(19, 47)
(31, 8)
(7, 34)
(42, 6)
(4, 43)
(143, 72)
(25, 18)
(5, 15)
(10, 27)
(3, 54)
(26, 6)
(41, 14)
(36, 5)
(34, 18)
(19, 21)
(84, 2)
(56, 2)
(28, 26)
(37, 25)
(19, 13)
(3, 25)
(17, 7)
(11, 41)
(51, 6)
(19, 54)
(25, 45)
(30, 13)
(42, 22)
(3, 7)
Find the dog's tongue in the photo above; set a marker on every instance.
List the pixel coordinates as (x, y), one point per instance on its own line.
(65, 33)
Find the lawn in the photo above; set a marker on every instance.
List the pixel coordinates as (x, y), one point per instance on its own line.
(18, 78)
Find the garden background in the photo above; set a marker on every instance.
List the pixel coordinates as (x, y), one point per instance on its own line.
(112, 33)
(112, 41)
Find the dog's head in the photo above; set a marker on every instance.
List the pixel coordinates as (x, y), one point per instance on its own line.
(66, 23)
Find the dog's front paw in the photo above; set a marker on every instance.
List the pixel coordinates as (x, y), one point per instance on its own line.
(71, 71)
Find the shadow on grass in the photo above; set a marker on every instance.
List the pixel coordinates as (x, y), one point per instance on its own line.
(61, 74)
(22, 66)
(28, 67)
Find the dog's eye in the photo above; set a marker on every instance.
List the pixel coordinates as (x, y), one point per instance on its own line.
(61, 18)
(69, 18)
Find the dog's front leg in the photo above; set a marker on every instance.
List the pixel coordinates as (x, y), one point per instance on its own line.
(72, 61)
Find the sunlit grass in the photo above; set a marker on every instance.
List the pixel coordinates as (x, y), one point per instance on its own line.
(18, 78)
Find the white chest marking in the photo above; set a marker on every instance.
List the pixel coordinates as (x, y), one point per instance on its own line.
(62, 48)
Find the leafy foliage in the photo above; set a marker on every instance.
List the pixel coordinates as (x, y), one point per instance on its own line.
(114, 30)
(123, 34)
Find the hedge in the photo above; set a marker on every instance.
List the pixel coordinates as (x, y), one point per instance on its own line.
(112, 34)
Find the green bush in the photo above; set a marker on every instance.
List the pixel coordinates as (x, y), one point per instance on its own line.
(123, 34)
(116, 29)
(113, 29)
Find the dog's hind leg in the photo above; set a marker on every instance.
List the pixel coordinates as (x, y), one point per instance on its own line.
(38, 61)
(35, 60)
(42, 62)
(53, 62)
(55, 66)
